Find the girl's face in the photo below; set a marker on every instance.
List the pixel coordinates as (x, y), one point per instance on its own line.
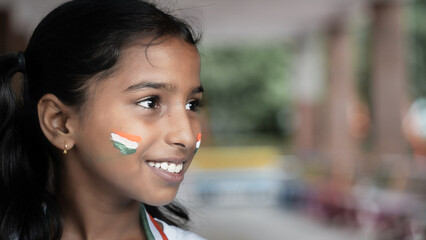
(138, 134)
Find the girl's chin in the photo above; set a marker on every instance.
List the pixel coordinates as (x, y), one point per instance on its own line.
(159, 203)
(161, 200)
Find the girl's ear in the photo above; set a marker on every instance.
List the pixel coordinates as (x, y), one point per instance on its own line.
(55, 121)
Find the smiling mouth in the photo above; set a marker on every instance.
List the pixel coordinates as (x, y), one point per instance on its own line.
(167, 166)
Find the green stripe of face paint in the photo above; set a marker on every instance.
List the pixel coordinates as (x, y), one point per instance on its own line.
(123, 149)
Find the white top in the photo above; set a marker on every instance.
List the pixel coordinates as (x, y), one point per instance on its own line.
(175, 233)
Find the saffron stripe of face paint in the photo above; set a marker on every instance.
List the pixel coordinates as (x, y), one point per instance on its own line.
(122, 142)
(130, 137)
(198, 144)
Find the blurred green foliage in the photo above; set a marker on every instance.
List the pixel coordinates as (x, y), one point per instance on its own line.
(363, 62)
(417, 47)
(247, 91)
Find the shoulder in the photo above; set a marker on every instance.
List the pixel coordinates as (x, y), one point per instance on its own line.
(175, 233)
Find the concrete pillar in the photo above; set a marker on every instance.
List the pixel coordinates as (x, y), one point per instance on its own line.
(388, 79)
(308, 81)
(341, 94)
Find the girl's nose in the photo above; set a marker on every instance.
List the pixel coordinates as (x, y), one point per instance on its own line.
(179, 131)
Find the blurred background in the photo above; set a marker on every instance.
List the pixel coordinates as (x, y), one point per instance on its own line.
(314, 117)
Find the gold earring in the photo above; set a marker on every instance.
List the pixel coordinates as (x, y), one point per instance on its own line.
(65, 149)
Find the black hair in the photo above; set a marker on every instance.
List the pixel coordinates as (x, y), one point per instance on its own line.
(78, 42)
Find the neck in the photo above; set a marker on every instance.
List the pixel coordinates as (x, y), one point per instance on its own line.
(89, 213)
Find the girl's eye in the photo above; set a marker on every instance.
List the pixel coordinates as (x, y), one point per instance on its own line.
(149, 102)
(193, 105)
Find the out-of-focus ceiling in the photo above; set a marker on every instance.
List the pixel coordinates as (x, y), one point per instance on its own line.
(222, 21)
(254, 20)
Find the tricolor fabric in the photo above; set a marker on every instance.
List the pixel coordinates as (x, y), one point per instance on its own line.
(155, 231)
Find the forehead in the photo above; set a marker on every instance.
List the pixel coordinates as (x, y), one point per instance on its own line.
(166, 61)
(161, 54)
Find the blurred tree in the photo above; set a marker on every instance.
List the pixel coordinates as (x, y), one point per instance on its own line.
(417, 55)
(246, 89)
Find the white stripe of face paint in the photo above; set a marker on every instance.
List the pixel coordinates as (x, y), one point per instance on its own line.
(126, 142)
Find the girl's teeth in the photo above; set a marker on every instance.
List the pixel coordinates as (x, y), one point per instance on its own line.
(169, 167)
(164, 166)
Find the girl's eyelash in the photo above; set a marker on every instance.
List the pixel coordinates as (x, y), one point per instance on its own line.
(200, 103)
(153, 102)
(196, 105)
(150, 102)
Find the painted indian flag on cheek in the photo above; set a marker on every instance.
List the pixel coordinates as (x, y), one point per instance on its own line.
(125, 142)
(197, 145)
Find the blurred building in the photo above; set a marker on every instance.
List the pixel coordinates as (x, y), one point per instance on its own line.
(300, 23)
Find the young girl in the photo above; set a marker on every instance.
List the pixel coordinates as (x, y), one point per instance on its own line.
(104, 126)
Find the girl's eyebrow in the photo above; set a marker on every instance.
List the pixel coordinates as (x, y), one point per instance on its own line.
(155, 85)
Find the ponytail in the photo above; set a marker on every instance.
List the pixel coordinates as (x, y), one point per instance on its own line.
(27, 210)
